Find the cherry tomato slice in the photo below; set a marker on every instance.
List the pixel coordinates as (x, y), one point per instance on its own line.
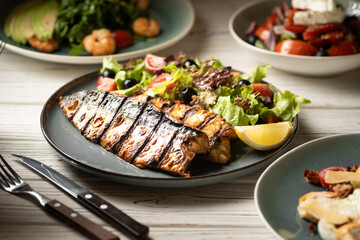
(154, 63)
(295, 47)
(161, 78)
(322, 175)
(122, 38)
(263, 89)
(344, 48)
(106, 84)
(262, 33)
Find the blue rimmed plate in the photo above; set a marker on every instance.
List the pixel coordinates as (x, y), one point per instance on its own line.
(91, 157)
(176, 18)
(279, 188)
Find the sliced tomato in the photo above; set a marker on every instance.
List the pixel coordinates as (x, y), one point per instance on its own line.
(122, 38)
(318, 29)
(322, 175)
(327, 39)
(263, 89)
(289, 23)
(346, 47)
(154, 63)
(295, 47)
(270, 21)
(161, 78)
(262, 33)
(106, 84)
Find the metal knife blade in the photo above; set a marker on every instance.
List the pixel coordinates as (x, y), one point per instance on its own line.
(103, 208)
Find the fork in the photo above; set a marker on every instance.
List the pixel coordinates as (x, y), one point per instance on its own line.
(2, 46)
(11, 182)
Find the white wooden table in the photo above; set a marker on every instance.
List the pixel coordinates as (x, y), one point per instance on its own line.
(221, 211)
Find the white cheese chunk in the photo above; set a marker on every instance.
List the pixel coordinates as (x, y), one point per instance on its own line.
(315, 5)
(312, 17)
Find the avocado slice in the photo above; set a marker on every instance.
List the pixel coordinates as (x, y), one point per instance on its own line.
(23, 30)
(43, 20)
(12, 23)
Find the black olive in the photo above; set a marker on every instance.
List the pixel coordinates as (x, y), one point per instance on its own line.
(187, 94)
(189, 62)
(243, 82)
(322, 53)
(129, 82)
(251, 39)
(108, 73)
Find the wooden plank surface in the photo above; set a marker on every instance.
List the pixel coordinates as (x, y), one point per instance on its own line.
(221, 211)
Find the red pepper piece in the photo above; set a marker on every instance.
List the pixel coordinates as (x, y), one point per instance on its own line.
(327, 39)
(270, 21)
(289, 23)
(318, 29)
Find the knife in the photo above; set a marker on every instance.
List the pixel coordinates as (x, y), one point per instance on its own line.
(100, 206)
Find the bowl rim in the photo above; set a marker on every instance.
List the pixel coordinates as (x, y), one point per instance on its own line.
(272, 53)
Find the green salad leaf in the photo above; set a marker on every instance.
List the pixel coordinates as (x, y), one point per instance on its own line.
(112, 64)
(288, 105)
(256, 74)
(233, 113)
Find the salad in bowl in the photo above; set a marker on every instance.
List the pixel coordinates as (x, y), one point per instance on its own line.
(309, 28)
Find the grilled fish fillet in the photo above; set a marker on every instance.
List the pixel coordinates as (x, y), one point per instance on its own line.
(136, 131)
(219, 131)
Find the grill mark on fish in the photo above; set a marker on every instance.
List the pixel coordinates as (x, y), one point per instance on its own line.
(219, 131)
(160, 141)
(70, 104)
(122, 124)
(179, 155)
(87, 110)
(140, 133)
(103, 117)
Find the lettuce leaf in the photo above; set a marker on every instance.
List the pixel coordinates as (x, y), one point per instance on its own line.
(256, 74)
(233, 113)
(112, 64)
(288, 105)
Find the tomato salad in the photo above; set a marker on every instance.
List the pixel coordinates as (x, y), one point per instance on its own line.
(241, 98)
(317, 28)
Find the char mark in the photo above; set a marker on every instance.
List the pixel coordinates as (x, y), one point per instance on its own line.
(88, 109)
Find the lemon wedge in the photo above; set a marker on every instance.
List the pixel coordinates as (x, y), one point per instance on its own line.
(265, 136)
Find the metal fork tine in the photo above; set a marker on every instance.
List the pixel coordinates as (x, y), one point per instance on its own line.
(2, 46)
(11, 178)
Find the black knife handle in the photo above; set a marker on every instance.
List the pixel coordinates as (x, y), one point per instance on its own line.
(113, 214)
(85, 225)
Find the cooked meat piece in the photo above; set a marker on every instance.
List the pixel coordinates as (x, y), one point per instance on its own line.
(219, 131)
(161, 140)
(311, 176)
(70, 104)
(136, 131)
(122, 124)
(140, 133)
(182, 150)
(342, 189)
(103, 117)
(88, 108)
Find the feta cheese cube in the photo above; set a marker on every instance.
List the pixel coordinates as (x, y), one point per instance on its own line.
(314, 17)
(315, 5)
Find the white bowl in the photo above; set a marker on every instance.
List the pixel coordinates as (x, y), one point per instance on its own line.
(258, 11)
